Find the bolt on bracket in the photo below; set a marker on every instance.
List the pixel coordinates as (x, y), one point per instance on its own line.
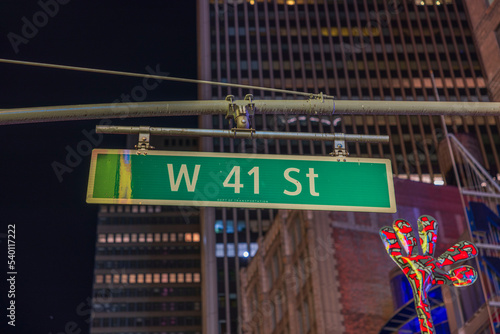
(143, 145)
(242, 115)
(339, 149)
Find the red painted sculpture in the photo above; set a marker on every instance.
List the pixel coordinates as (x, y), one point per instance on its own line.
(423, 271)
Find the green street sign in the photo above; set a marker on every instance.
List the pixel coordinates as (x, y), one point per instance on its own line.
(241, 180)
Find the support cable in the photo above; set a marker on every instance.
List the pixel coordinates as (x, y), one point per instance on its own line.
(160, 77)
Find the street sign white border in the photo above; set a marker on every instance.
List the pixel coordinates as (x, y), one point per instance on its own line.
(252, 205)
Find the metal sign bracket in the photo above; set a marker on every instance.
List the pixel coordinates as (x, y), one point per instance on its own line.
(340, 149)
(242, 115)
(143, 145)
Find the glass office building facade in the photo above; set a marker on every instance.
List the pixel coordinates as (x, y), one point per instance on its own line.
(147, 272)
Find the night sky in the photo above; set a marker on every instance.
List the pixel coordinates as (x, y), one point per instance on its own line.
(55, 227)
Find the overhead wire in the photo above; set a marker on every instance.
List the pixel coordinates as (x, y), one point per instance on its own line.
(159, 77)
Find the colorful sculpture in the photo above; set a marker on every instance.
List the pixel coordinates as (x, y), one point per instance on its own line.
(423, 271)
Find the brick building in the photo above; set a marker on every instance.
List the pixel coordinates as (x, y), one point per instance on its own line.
(328, 272)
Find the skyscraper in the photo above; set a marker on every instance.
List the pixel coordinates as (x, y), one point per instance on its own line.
(365, 50)
(148, 276)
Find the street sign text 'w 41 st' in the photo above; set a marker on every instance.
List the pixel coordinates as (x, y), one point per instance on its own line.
(241, 180)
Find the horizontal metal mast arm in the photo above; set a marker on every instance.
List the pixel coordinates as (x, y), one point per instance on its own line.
(187, 108)
(242, 134)
(159, 109)
(364, 107)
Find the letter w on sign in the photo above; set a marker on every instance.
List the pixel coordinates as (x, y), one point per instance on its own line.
(423, 271)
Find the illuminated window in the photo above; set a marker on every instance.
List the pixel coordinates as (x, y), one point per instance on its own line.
(188, 237)
(142, 237)
(196, 277)
(135, 209)
(99, 279)
(124, 278)
(149, 278)
(181, 236)
(172, 237)
(142, 209)
(116, 279)
(108, 279)
(133, 237)
(118, 238)
(126, 237)
(110, 238)
(164, 278)
(157, 237)
(149, 237)
(131, 278)
(180, 278)
(172, 278)
(102, 238)
(156, 278)
(189, 278)
(140, 278)
(165, 237)
(196, 237)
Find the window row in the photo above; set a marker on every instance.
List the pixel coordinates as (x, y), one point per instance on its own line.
(366, 30)
(146, 322)
(148, 307)
(130, 208)
(138, 264)
(148, 278)
(147, 237)
(162, 332)
(104, 295)
(191, 217)
(158, 250)
(359, 65)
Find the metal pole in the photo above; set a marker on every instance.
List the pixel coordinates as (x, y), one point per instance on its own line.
(159, 109)
(196, 108)
(110, 129)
